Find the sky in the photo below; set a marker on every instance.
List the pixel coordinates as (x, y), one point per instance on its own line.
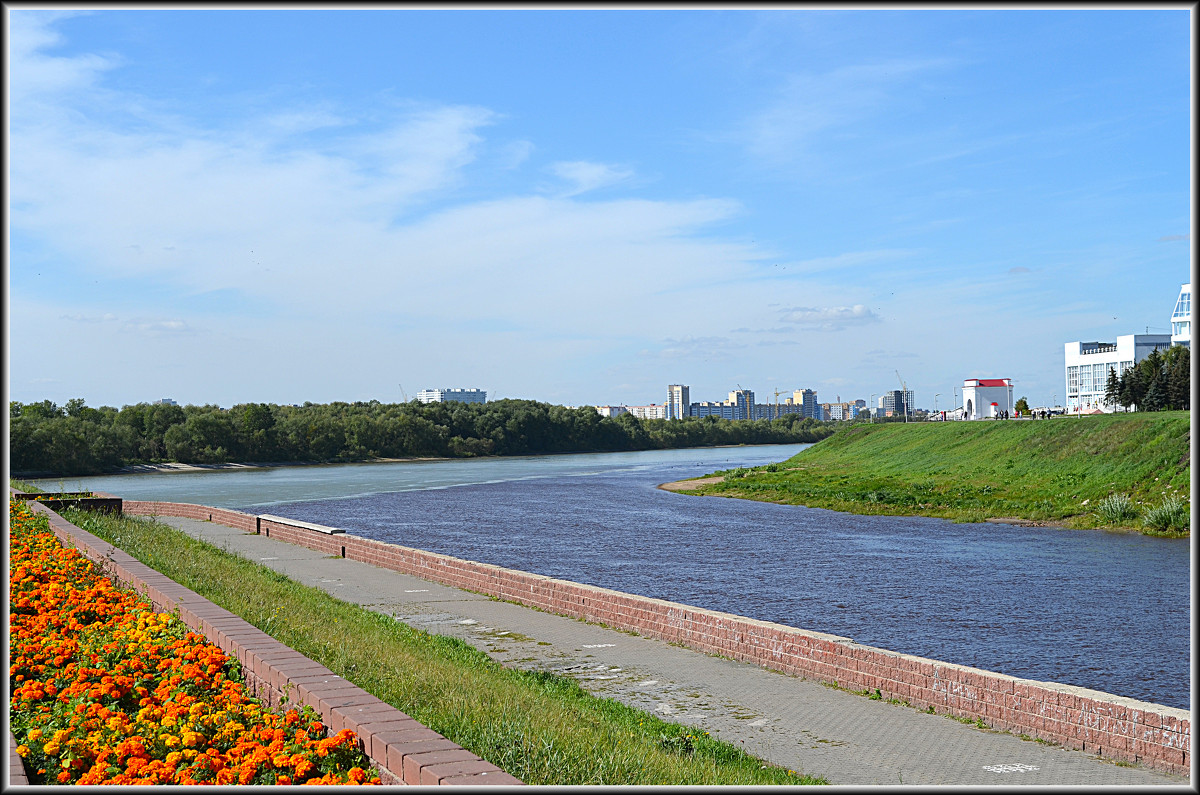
(582, 206)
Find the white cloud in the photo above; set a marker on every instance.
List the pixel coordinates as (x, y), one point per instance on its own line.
(810, 104)
(833, 318)
(156, 327)
(515, 153)
(34, 76)
(693, 348)
(585, 176)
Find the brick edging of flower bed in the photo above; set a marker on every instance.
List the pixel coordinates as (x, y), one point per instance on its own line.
(16, 765)
(404, 750)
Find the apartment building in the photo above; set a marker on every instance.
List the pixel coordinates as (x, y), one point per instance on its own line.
(895, 402)
(460, 395)
(679, 401)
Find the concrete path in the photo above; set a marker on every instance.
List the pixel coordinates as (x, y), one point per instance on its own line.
(800, 724)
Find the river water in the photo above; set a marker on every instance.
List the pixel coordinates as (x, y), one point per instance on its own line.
(1108, 611)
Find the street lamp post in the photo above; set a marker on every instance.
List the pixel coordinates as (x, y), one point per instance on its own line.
(936, 395)
(872, 408)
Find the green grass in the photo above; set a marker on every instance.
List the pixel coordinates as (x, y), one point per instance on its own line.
(23, 487)
(540, 727)
(1057, 471)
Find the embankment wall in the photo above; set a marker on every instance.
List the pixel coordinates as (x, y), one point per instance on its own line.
(403, 750)
(1118, 728)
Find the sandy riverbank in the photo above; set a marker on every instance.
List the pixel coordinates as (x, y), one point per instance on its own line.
(175, 467)
(695, 483)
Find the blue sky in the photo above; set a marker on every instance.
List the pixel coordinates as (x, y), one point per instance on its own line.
(583, 206)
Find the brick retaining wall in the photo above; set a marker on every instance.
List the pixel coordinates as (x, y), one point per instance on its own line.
(1112, 726)
(404, 751)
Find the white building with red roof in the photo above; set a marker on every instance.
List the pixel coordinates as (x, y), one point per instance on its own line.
(987, 398)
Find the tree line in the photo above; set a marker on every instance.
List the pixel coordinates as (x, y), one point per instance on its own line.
(1160, 382)
(75, 439)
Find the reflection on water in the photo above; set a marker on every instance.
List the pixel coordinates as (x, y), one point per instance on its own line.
(1109, 611)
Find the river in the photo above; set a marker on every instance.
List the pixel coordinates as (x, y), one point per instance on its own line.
(1105, 610)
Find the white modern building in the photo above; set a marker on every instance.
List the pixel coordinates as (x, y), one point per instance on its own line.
(1088, 365)
(679, 401)
(460, 395)
(986, 398)
(611, 411)
(1181, 318)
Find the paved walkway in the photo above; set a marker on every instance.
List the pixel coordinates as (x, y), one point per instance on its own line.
(797, 723)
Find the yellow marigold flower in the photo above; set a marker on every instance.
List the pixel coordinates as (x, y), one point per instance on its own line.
(169, 740)
(50, 748)
(191, 739)
(35, 735)
(173, 758)
(23, 750)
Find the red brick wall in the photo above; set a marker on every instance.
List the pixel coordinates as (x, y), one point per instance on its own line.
(1111, 726)
(405, 751)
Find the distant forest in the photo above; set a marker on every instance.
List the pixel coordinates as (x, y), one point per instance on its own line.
(49, 440)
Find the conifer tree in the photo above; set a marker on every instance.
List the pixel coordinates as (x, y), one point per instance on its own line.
(1179, 377)
(1112, 390)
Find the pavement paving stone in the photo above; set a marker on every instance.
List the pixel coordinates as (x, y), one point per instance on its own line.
(797, 723)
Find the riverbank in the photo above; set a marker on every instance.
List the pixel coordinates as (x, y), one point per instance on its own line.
(177, 467)
(1120, 471)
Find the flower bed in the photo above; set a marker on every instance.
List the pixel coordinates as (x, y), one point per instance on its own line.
(105, 690)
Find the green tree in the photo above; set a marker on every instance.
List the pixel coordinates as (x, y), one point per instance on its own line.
(1179, 377)
(1022, 405)
(1112, 389)
(1156, 396)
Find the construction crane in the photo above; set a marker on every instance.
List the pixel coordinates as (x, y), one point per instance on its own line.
(777, 394)
(403, 394)
(903, 394)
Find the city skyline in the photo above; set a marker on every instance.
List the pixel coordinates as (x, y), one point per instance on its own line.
(584, 206)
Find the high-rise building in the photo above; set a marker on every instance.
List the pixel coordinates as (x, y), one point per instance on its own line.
(461, 395)
(743, 404)
(807, 398)
(895, 403)
(679, 401)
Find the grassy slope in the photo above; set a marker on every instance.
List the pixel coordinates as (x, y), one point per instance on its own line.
(1050, 471)
(541, 727)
